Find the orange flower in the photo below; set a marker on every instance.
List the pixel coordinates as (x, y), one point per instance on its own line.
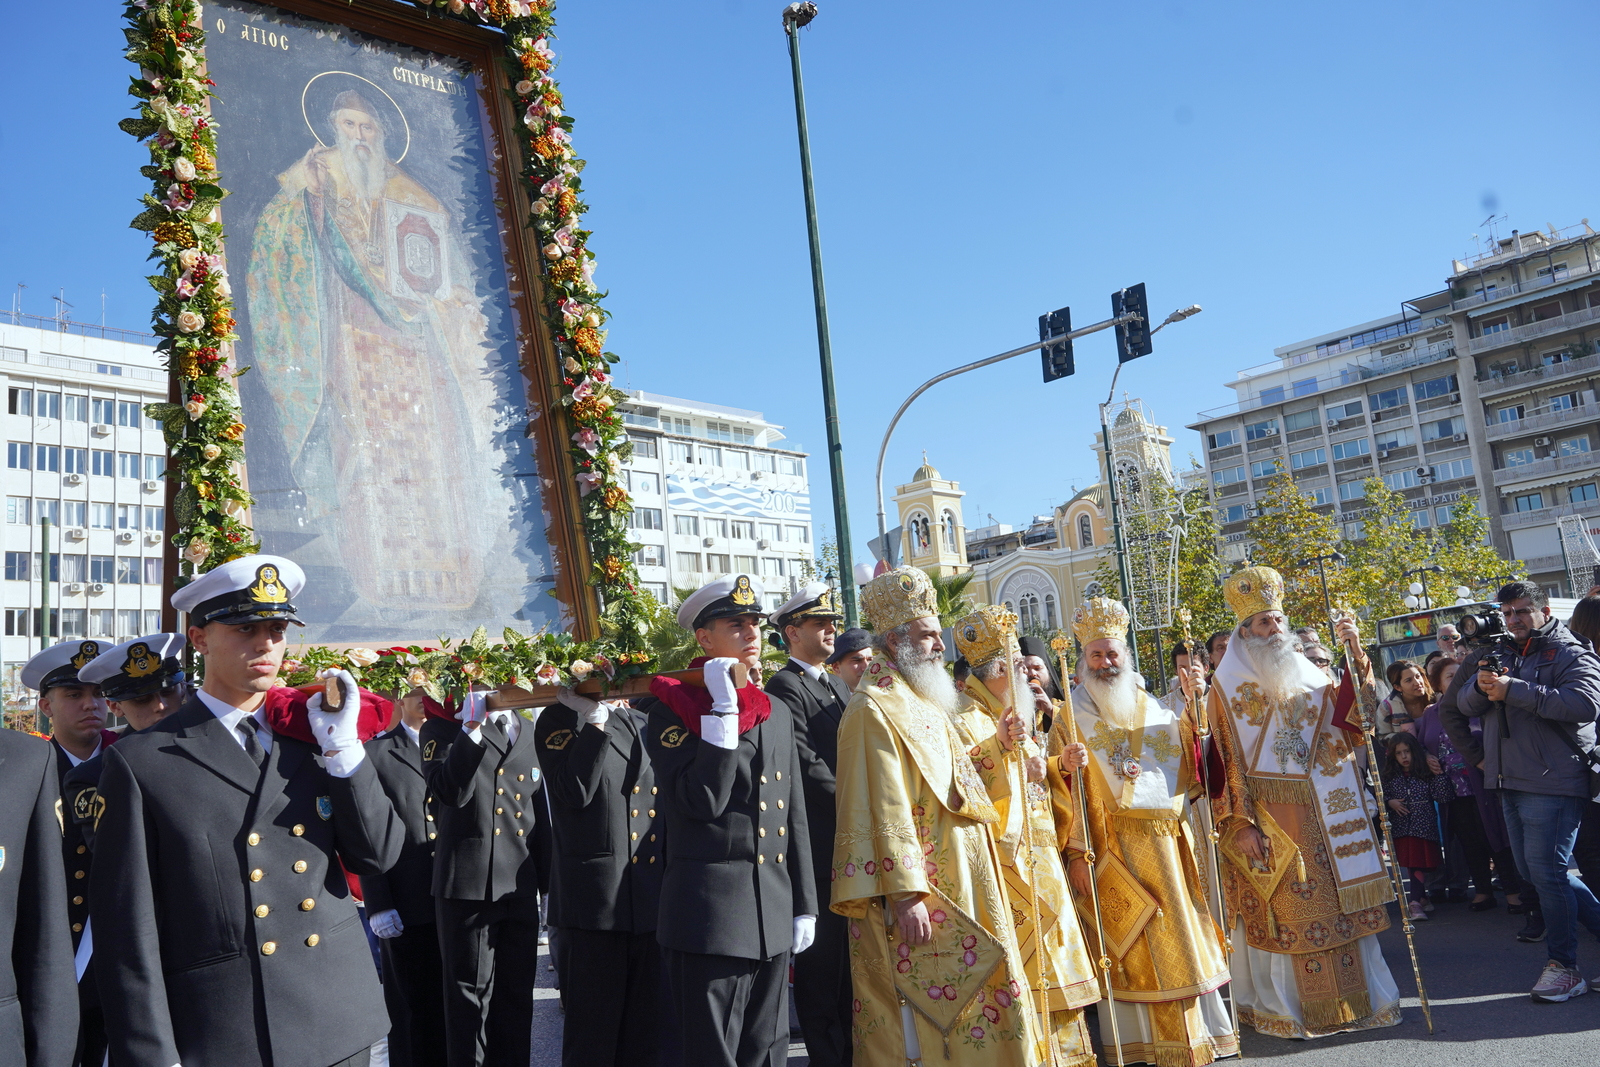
(234, 432)
(545, 147)
(616, 498)
(611, 567)
(203, 159)
(175, 232)
(205, 490)
(588, 410)
(587, 338)
(567, 202)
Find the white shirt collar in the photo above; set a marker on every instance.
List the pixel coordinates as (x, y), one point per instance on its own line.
(74, 760)
(227, 713)
(814, 671)
(415, 735)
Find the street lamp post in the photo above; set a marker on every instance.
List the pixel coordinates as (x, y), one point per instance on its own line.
(1418, 591)
(794, 17)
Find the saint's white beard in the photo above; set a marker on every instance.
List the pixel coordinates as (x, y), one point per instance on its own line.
(1116, 696)
(365, 166)
(1277, 663)
(926, 676)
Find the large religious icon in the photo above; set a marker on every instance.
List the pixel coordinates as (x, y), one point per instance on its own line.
(396, 367)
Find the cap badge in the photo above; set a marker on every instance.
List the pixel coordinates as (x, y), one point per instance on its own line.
(140, 662)
(742, 594)
(825, 601)
(86, 652)
(268, 589)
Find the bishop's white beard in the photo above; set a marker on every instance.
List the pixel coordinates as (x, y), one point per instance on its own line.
(1278, 664)
(1117, 696)
(926, 676)
(365, 166)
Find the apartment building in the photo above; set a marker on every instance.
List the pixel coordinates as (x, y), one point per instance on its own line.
(1379, 399)
(81, 453)
(1527, 312)
(1486, 386)
(715, 492)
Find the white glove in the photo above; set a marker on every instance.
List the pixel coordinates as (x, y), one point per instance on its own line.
(590, 711)
(474, 707)
(386, 924)
(335, 730)
(805, 932)
(719, 683)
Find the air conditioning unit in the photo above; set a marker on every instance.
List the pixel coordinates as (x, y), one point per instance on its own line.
(152, 538)
(763, 544)
(74, 588)
(1383, 453)
(76, 533)
(710, 542)
(1424, 472)
(1541, 442)
(126, 537)
(97, 587)
(1428, 480)
(150, 485)
(73, 479)
(1459, 437)
(1333, 424)
(101, 429)
(1377, 416)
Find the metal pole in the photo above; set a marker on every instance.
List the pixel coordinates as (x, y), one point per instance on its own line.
(883, 448)
(830, 410)
(1116, 516)
(44, 584)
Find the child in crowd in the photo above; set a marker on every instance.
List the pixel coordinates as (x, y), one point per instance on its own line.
(1413, 782)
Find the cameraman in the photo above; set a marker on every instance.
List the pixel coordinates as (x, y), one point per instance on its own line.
(1538, 691)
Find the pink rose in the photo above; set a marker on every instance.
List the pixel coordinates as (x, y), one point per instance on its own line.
(870, 867)
(970, 941)
(991, 1013)
(904, 966)
(970, 958)
(939, 916)
(849, 870)
(935, 993)
(949, 992)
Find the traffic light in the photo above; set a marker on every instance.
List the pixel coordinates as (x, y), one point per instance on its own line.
(1057, 358)
(1133, 338)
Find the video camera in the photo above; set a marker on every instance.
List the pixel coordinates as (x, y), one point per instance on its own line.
(1483, 627)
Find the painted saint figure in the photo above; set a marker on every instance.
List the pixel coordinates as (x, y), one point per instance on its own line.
(367, 342)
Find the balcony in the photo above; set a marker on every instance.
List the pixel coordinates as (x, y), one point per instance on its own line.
(1547, 516)
(1545, 564)
(1353, 373)
(1494, 384)
(1540, 468)
(1517, 335)
(1499, 431)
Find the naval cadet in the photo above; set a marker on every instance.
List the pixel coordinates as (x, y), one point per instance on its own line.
(77, 732)
(226, 931)
(807, 627)
(606, 871)
(142, 682)
(39, 1020)
(738, 896)
(484, 770)
(400, 900)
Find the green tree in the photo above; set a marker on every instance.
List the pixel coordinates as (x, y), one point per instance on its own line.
(1201, 569)
(1468, 559)
(1391, 545)
(1290, 530)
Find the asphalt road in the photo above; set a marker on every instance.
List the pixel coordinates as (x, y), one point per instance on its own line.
(1477, 975)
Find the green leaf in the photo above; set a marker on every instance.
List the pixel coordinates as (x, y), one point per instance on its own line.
(140, 128)
(479, 639)
(161, 283)
(186, 506)
(149, 219)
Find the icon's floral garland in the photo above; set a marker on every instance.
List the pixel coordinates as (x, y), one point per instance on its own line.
(193, 315)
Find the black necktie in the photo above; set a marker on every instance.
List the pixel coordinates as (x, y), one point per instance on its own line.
(252, 745)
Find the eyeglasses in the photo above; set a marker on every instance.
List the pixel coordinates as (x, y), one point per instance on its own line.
(1322, 662)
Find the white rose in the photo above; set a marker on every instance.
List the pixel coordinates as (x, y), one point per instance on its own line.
(417, 679)
(552, 250)
(190, 321)
(183, 169)
(361, 657)
(541, 206)
(189, 258)
(195, 408)
(524, 88)
(211, 452)
(581, 669)
(196, 552)
(223, 287)
(158, 104)
(456, 7)
(591, 319)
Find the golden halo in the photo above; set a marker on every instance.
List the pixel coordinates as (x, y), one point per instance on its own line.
(405, 125)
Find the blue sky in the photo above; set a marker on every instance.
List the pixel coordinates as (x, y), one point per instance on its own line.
(1293, 168)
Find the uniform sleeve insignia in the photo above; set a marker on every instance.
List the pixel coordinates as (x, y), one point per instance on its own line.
(99, 808)
(83, 804)
(428, 750)
(558, 740)
(325, 808)
(673, 736)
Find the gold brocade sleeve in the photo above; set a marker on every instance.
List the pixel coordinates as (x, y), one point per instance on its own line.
(1234, 807)
(876, 852)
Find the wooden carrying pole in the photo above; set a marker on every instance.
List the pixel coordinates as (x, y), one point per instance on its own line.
(1082, 790)
(1369, 727)
(1208, 830)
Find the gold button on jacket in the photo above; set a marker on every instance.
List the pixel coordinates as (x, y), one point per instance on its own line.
(299, 866)
(269, 948)
(254, 839)
(257, 874)
(311, 942)
(307, 904)
(262, 911)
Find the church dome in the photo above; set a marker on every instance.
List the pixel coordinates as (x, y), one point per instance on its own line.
(926, 473)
